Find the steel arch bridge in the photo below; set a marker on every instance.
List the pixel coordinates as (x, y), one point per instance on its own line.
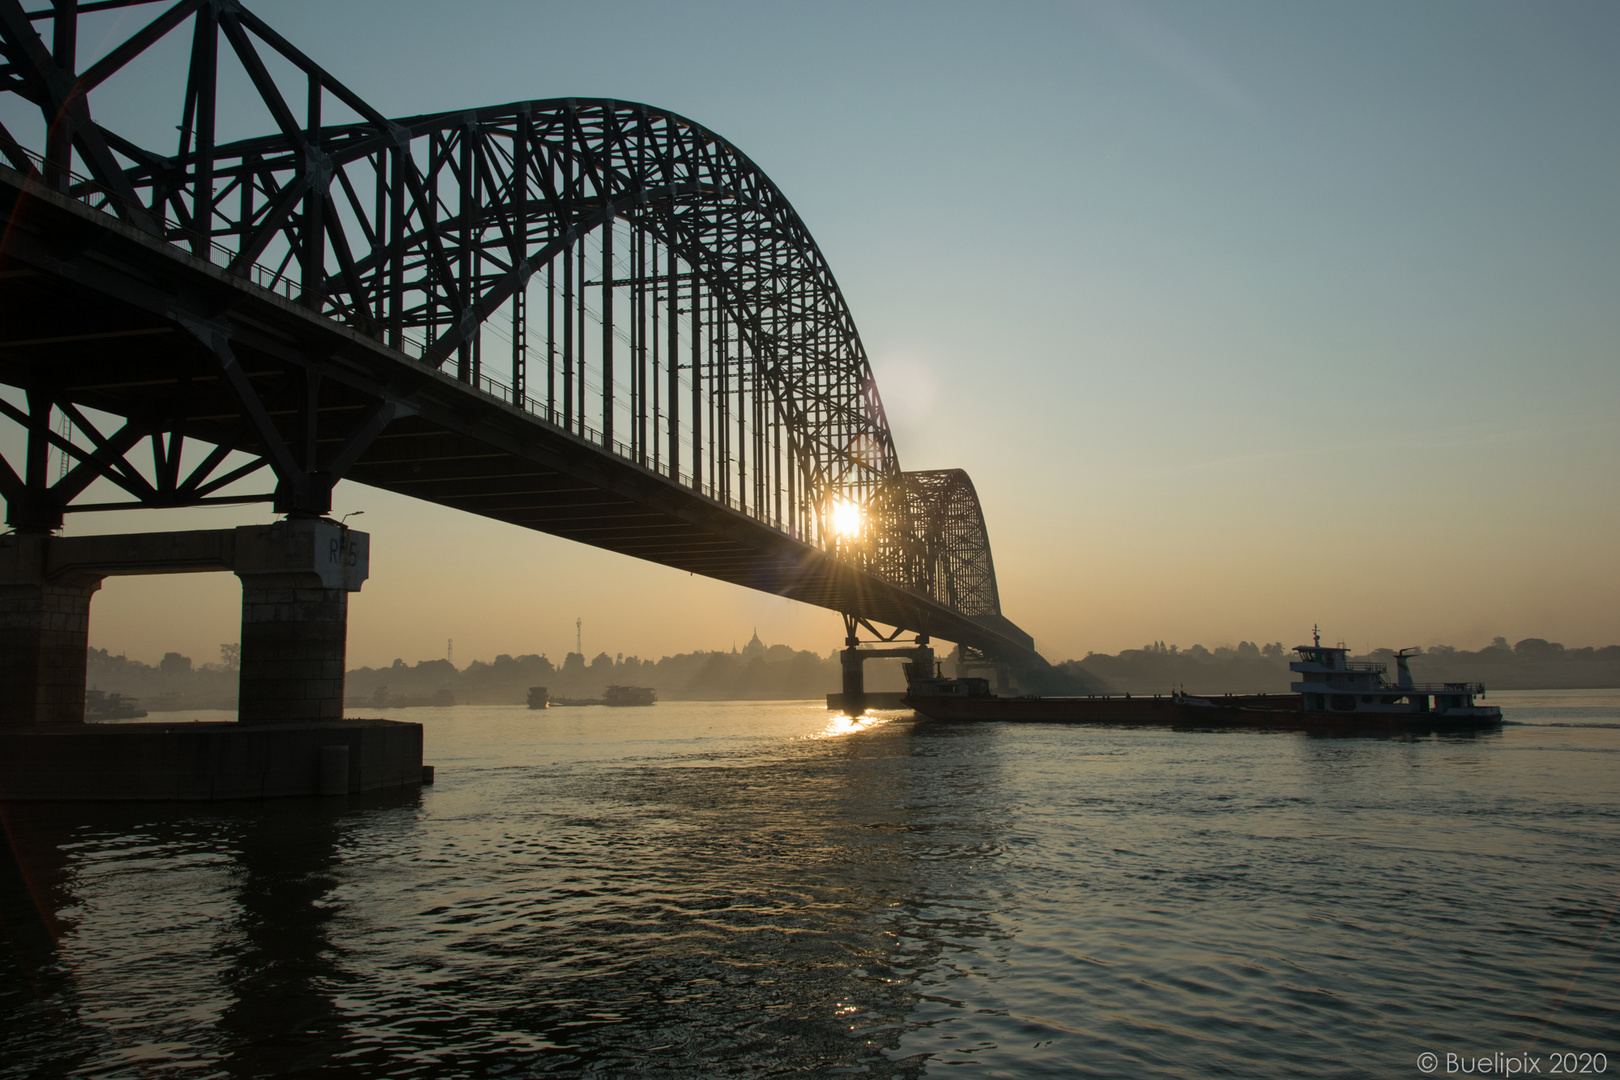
(594, 318)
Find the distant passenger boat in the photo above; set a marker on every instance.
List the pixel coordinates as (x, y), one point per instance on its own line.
(538, 697)
(100, 705)
(629, 695)
(1335, 695)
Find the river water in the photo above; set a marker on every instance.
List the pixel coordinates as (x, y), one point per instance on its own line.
(760, 889)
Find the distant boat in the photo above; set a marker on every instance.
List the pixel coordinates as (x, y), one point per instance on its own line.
(100, 705)
(538, 697)
(618, 696)
(629, 695)
(442, 698)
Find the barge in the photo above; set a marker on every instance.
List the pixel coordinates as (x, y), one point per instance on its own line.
(615, 696)
(1333, 695)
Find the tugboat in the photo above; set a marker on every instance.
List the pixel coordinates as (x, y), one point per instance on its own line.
(1334, 695)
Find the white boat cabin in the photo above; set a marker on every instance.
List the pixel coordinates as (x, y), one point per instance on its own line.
(1329, 681)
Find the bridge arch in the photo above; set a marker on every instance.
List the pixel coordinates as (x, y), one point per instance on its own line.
(717, 347)
(948, 544)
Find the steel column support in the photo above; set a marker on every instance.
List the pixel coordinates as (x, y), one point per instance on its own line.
(696, 326)
(607, 333)
(520, 348)
(568, 332)
(551, 338)
(312, 260)
(466, 281)
(639, 357)
(201, 94)
(579, 386)
(674, 366)
(657, 384)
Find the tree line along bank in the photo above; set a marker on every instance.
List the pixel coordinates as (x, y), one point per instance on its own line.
(776, 672)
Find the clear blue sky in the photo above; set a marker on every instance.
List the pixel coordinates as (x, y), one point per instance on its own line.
(1243, 316)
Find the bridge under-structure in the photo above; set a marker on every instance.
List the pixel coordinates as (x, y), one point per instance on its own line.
(591, 318)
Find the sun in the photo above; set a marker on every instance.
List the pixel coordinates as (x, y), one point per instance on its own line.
(847, 518)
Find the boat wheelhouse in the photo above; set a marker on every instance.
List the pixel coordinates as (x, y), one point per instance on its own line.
(1329, 681)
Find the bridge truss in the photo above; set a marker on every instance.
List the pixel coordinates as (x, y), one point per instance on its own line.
(607, 270)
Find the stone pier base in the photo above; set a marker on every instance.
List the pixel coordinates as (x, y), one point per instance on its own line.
(44, 629)
(292, 739)
(293, 642)
(182, 761)
(296, 579)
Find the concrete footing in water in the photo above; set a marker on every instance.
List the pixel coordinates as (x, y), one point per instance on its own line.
(870, 699)
(292, 739)
(192, 761)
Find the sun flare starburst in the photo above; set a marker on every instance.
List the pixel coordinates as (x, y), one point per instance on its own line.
(848, 519)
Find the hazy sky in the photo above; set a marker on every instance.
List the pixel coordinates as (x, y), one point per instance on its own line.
(1242, 316)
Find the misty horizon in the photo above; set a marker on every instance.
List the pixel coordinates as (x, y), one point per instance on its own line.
(761, 671)
(1535, 645)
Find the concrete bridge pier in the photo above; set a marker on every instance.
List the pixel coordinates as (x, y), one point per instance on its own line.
(296, 576)
(852, 666)
(44, 636)
(852, 660)
(296, 579)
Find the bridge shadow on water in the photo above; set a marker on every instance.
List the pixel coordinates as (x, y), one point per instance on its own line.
(715, 913)
(157, 937)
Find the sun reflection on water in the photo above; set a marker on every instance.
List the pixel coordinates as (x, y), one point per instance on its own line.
(848, 725)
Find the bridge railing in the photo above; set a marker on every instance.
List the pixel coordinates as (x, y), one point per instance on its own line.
(97, 198)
